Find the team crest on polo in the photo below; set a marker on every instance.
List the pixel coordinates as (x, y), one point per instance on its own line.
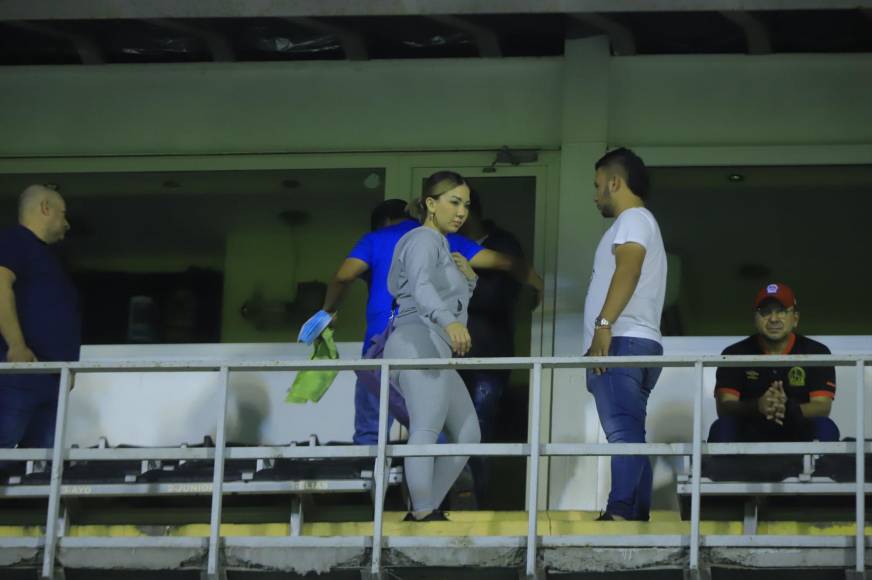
(752, 375)
(796, 377)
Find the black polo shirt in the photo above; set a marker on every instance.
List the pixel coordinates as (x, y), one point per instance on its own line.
(46, 301)
(800, 383)
(491, 309)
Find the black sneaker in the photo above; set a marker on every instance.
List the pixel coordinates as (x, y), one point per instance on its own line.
(605, 517)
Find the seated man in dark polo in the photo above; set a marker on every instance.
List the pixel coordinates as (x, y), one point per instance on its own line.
(787, 403)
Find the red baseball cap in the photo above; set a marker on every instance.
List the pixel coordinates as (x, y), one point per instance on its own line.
(777, 291)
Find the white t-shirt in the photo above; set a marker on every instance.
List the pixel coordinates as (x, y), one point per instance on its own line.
(641, 317)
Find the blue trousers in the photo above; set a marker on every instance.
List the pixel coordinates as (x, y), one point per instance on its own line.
(486, 389)
(366, 416)
(621, 396)
(366, 411)
(27, 416)
(737, 429)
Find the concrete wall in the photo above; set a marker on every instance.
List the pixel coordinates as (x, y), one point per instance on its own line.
(167, 409)
(269, 107)
(740, 100)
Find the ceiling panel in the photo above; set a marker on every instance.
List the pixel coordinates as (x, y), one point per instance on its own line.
(153, 38)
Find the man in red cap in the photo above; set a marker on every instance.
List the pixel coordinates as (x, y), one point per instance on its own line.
(775, 403)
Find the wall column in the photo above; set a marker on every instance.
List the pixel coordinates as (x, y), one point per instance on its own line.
(585, 112)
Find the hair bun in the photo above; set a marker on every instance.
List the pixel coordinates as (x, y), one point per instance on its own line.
(417, 209)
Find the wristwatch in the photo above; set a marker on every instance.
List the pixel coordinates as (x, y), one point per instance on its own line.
(600, 322)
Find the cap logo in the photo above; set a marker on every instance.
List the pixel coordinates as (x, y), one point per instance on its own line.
(772, 289)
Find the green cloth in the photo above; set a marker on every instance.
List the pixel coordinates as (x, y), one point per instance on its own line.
(311, 385)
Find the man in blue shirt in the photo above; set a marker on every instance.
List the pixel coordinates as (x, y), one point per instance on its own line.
(39, 317)
(371, 257)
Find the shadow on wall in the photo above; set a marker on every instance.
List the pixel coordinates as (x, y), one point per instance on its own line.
(252, 403)
(149, 409)
(672, 424)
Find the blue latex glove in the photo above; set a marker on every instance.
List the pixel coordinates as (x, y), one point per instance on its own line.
(313, 327)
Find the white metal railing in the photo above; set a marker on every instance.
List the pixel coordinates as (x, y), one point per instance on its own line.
(382, 452)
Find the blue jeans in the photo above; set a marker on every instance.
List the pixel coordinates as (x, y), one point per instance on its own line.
(366, 416)
(486, 389)
(366, 410)
(621, 396)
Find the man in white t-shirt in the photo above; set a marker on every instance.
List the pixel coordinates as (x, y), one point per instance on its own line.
(622, 318)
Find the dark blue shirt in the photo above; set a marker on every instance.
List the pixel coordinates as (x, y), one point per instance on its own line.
(46, 301)
(377, 250)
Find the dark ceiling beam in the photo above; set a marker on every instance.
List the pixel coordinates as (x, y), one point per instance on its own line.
(218, 44)
(140, 10)
(486, 39)
(621, 37)
(89, 51)
(353, 43)
(756, 34)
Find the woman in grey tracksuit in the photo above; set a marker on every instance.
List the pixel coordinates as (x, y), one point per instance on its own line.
(432, 289)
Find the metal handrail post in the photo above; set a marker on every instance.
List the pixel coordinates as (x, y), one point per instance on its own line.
(696, 470)
(379, 471)
(57, 471)
(212, 568)
(861, 469)
(533, 497)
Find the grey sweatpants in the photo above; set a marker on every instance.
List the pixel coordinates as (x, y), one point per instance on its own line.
(437, 401)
